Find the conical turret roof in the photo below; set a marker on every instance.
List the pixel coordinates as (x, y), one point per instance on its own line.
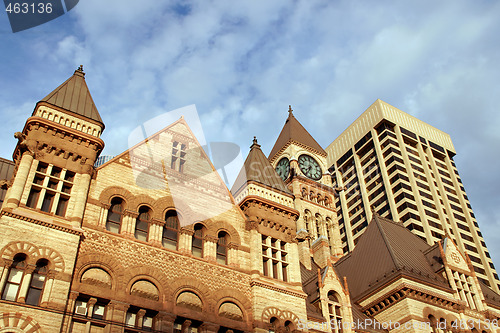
(258, 169)
(74, 96)
(293, 131)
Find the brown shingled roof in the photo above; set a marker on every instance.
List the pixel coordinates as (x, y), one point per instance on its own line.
(258, 169)
(385, 250)
(73, 95)
(293, 131)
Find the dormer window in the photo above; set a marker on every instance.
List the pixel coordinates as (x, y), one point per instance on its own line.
(178, 156)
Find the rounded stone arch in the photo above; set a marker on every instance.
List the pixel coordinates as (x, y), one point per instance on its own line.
(215, 226)
(136, 273)
(270, 312)
(107, 263)
(18, 323)
(115, 191)
(176, 286)
(96, 276)
(235, 296)
(55, 259)
(140, 201)
(287, 315)
(438, 314)
(11, 249)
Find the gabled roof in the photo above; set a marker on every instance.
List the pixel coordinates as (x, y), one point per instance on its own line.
(258, 169)
(293, 131)
(74, 96)
(385, 250)
(491, 297)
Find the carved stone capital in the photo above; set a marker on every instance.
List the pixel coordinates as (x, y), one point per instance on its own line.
(233, 246)
(161, 223)
(131, 213)
(105, 205)
(186, 231)
(210, 238)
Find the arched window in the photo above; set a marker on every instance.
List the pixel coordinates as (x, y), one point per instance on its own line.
(222, 241)
(273, 324)
(171, 230)
(14, 278)
(114, 220)
(307, 223)
(197, 245)
(142, 224)
(319, 222)
(289, 327)
(334, 311)
(37, 282)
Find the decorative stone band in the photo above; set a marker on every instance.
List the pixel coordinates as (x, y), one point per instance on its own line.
(186, 231)
(406, 290)
(47, 224)
(280, 290)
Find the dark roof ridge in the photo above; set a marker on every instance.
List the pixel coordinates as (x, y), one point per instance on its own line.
(386, 241)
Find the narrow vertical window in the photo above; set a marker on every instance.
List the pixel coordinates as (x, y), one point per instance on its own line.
(334, 311)
(171, 230)
(37, 282)
(142, 224)
(14, 278)
(197, 245)
(222, 240)
(114, 219)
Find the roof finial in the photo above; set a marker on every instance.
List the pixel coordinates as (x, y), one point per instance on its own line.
(290, 109)
(254, 143)
(80, 71)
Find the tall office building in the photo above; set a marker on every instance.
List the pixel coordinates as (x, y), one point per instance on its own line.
(403, 169)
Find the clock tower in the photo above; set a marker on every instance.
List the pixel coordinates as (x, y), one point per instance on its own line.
(301, 162)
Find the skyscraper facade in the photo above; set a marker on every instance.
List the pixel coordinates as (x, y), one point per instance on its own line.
(395, 165)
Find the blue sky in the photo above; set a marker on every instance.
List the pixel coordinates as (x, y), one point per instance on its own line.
(243, 62)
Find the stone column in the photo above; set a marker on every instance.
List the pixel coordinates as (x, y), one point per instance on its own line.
(103, 217)
(116, 314)
(140, 316)
(81, 191)
(4, 271)
(47, 289)
(232, 255)
(155, 232)
(165, 322)
(70, 308)
(185, 326)
(21, 177)
(25, 283)
(128, 223)
(185, 240)
(210, 248)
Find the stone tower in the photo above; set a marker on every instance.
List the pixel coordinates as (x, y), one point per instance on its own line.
(44, 205)
(301, 163)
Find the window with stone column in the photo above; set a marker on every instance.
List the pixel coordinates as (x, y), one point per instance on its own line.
(178, 156)
(222, 250)
(140, 320)
(115, 215)
(51, 189)
(14, 278)
(142, 223)
(274, 258)
(89, 312)
(197, 240)
(37, 282)
(170, 235)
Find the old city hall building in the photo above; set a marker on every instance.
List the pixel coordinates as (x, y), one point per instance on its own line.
(153, 241)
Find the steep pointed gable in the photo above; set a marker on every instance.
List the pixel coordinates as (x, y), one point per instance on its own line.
(258, 169)
(293, 131)
(74, 96)
(386, 249)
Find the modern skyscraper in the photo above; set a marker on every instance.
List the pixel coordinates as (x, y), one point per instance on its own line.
(403, 169)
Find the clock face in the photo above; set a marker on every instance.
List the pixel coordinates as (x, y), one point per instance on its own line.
(309, 167)
(283, 168)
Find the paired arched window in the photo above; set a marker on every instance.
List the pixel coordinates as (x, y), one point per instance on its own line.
(114, 220)
(14, 278)
(197, 242)
(334, 311)
(170, 234)
(222, 241)
(37, 282)
(142, 224)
